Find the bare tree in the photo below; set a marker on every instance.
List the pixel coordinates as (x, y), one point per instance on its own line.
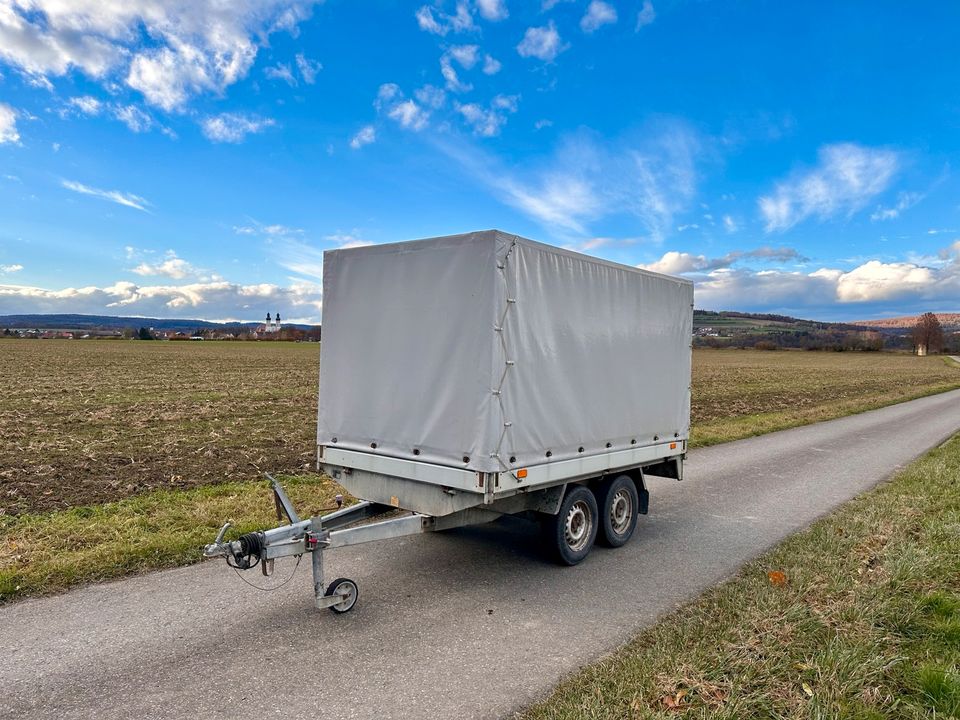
(927, 333)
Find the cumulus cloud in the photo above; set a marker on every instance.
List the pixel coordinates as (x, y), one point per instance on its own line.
(466, 56)
(217, 299)
(116, 196)
(169, 266)
(407, 113)
(8, 125)
(86, 104)
(366, 135)
(875, 280)
(434, 21)
(491, 66)
(598, 14)
(8, 269)
(646, 15)
(233, 127)
(488, 121)
(897, 286)
(430, 96)
(542, 43)
(729, 224)
(195, 46)
(492, 10)
(846, 178)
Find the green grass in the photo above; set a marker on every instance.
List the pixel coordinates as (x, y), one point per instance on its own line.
(866, 625)
(47, 552)
(742, 393)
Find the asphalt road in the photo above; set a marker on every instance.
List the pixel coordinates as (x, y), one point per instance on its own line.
(468, 624)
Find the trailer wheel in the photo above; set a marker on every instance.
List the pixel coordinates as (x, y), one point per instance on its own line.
(346, 588)
(619, 506)
(572, 531)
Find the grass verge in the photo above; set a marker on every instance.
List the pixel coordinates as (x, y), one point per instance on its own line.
(47, 552)
(744, 426)
(856, 617)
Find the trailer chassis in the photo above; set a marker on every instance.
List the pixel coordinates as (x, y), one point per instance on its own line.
(350, 526)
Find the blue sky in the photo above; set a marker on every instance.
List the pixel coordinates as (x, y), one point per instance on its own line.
(193, 158)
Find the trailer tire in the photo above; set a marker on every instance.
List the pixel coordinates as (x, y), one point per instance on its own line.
(619, 508)
(572, 531)
(349, 588)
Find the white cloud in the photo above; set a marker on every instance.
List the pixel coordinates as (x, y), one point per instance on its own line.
(598, 14)
(466, 55)
(133, 117)
(905, 201)
(348, 240)
(912, 286)
(430, 96)
(170, 266)
(409, 115)
(542, 123)
(492, 10)
(7, 269)
(649, 178)
(215, 299)
(308, 68)
(846, 178)
(439, 23)
(551, 4)
(233, 127)
(275, 230)
(86, 104)
(491, 66)
(729, 224)
(366, 135)
(541, 42)
(120, 198)
(194, 46)
(390, 100)
(282, 72)
(646, 15)
(488, 122)
(8, 125)
(298, 257)
(675, 263)
(875, 280)
(679, 263)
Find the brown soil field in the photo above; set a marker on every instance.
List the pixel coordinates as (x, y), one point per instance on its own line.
(92, 421)
(85, 422)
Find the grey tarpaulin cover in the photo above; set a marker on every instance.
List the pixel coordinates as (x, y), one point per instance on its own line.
(477, 348)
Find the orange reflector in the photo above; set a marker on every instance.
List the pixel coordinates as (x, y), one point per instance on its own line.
(521, 474)
(673, 446)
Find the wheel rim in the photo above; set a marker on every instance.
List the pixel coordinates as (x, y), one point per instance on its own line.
(621, 511)
(578, 526)
(348, 591)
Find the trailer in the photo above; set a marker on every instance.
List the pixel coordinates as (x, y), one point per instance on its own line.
(467, 377)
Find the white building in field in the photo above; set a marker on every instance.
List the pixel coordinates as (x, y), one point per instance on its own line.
(272, 325)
